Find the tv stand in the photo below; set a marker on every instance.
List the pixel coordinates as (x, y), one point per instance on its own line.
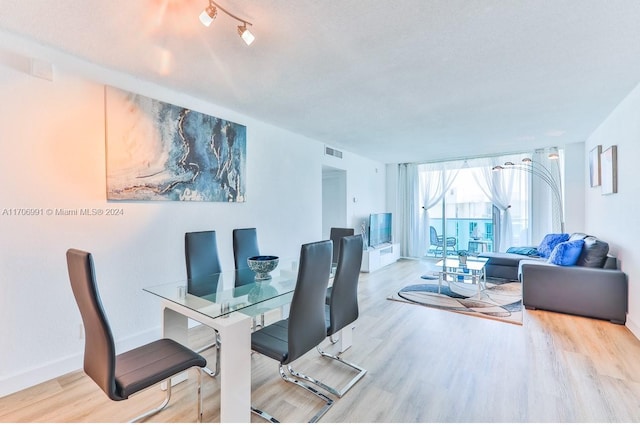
(375, 258)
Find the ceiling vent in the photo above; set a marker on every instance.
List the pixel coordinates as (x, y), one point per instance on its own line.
(332, 152)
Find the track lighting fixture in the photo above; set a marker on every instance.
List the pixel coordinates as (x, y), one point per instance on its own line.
(209, 14)
(245, 34)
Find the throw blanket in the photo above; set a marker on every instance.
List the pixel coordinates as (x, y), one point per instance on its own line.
(524, 250)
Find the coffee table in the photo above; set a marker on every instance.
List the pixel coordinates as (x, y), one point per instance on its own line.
(473, 270)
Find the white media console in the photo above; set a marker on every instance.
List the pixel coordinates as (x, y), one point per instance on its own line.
(378, 257)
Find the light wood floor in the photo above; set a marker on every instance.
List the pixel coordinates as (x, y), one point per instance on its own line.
(424, 365)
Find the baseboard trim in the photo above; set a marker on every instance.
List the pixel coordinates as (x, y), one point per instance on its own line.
(50, 370)
(633, 327)
(10, 384)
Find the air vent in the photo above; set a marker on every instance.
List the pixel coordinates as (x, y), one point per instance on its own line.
(332, 152)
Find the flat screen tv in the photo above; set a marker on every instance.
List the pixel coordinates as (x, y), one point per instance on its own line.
(379, 229)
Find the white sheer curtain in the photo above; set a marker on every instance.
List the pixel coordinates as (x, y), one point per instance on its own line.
(435, 180)
(499, 186)
(408, 210)
(414, 203)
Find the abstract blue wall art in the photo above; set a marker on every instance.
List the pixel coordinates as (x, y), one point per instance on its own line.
(159, 151)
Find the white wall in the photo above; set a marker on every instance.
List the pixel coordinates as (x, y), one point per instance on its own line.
(615, 218)
(52, 155)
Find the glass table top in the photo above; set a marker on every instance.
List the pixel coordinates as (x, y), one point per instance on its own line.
(473, 263)
(237, 290)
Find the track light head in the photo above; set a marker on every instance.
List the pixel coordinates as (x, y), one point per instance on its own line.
(245, 34)
(553, 154)
(208, 15)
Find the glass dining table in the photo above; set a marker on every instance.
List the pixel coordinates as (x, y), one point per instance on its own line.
(227, 302)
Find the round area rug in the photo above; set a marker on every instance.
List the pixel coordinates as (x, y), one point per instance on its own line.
(502, 302)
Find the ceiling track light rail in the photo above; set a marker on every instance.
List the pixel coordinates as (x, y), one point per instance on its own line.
(209, 14)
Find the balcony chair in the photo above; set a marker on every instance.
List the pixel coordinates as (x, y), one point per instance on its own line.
(289, 339)
(342, 304)
(202, 261)
(439, 242)
(123, 375)
(335, 234)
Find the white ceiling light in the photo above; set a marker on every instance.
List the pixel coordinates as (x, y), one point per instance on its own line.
(209, 14)
(245, 34)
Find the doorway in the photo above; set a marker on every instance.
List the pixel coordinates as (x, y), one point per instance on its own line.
(334, 199)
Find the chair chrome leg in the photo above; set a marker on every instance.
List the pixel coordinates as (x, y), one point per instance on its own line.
(165, 402)
(264, 415)
(342, 391)
(206, 347)
(213, 373)
(313, 381)
(199, 395)
(328, 402)
(152, 412)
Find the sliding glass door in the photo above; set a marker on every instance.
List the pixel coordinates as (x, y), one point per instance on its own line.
(467, 206)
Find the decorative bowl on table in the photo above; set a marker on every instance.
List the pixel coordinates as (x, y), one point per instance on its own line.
(262, 265)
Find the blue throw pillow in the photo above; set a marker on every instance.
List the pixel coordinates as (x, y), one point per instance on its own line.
(566, 253)
(549, 242)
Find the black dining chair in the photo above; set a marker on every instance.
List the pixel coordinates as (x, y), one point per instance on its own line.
(245, 245)
(335, 234)
(201, 254)
(289, 339)
(125, 374)
(201, 257)
(342, 303)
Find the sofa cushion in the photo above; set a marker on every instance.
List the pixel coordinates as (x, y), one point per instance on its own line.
(502, 258)
(549, 242)
(566, 253)
(594, 253)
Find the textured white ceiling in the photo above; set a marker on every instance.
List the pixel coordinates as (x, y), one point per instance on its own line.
(392, 80)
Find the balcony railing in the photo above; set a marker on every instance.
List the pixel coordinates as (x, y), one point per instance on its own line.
(474, 234)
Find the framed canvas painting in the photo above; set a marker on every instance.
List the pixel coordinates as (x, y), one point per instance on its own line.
(157, 151)
(594, 166)
(609, 163)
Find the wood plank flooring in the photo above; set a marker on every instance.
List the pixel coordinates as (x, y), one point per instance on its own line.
(424, 365)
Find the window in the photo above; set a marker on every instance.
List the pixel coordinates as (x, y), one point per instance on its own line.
(483, 211)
